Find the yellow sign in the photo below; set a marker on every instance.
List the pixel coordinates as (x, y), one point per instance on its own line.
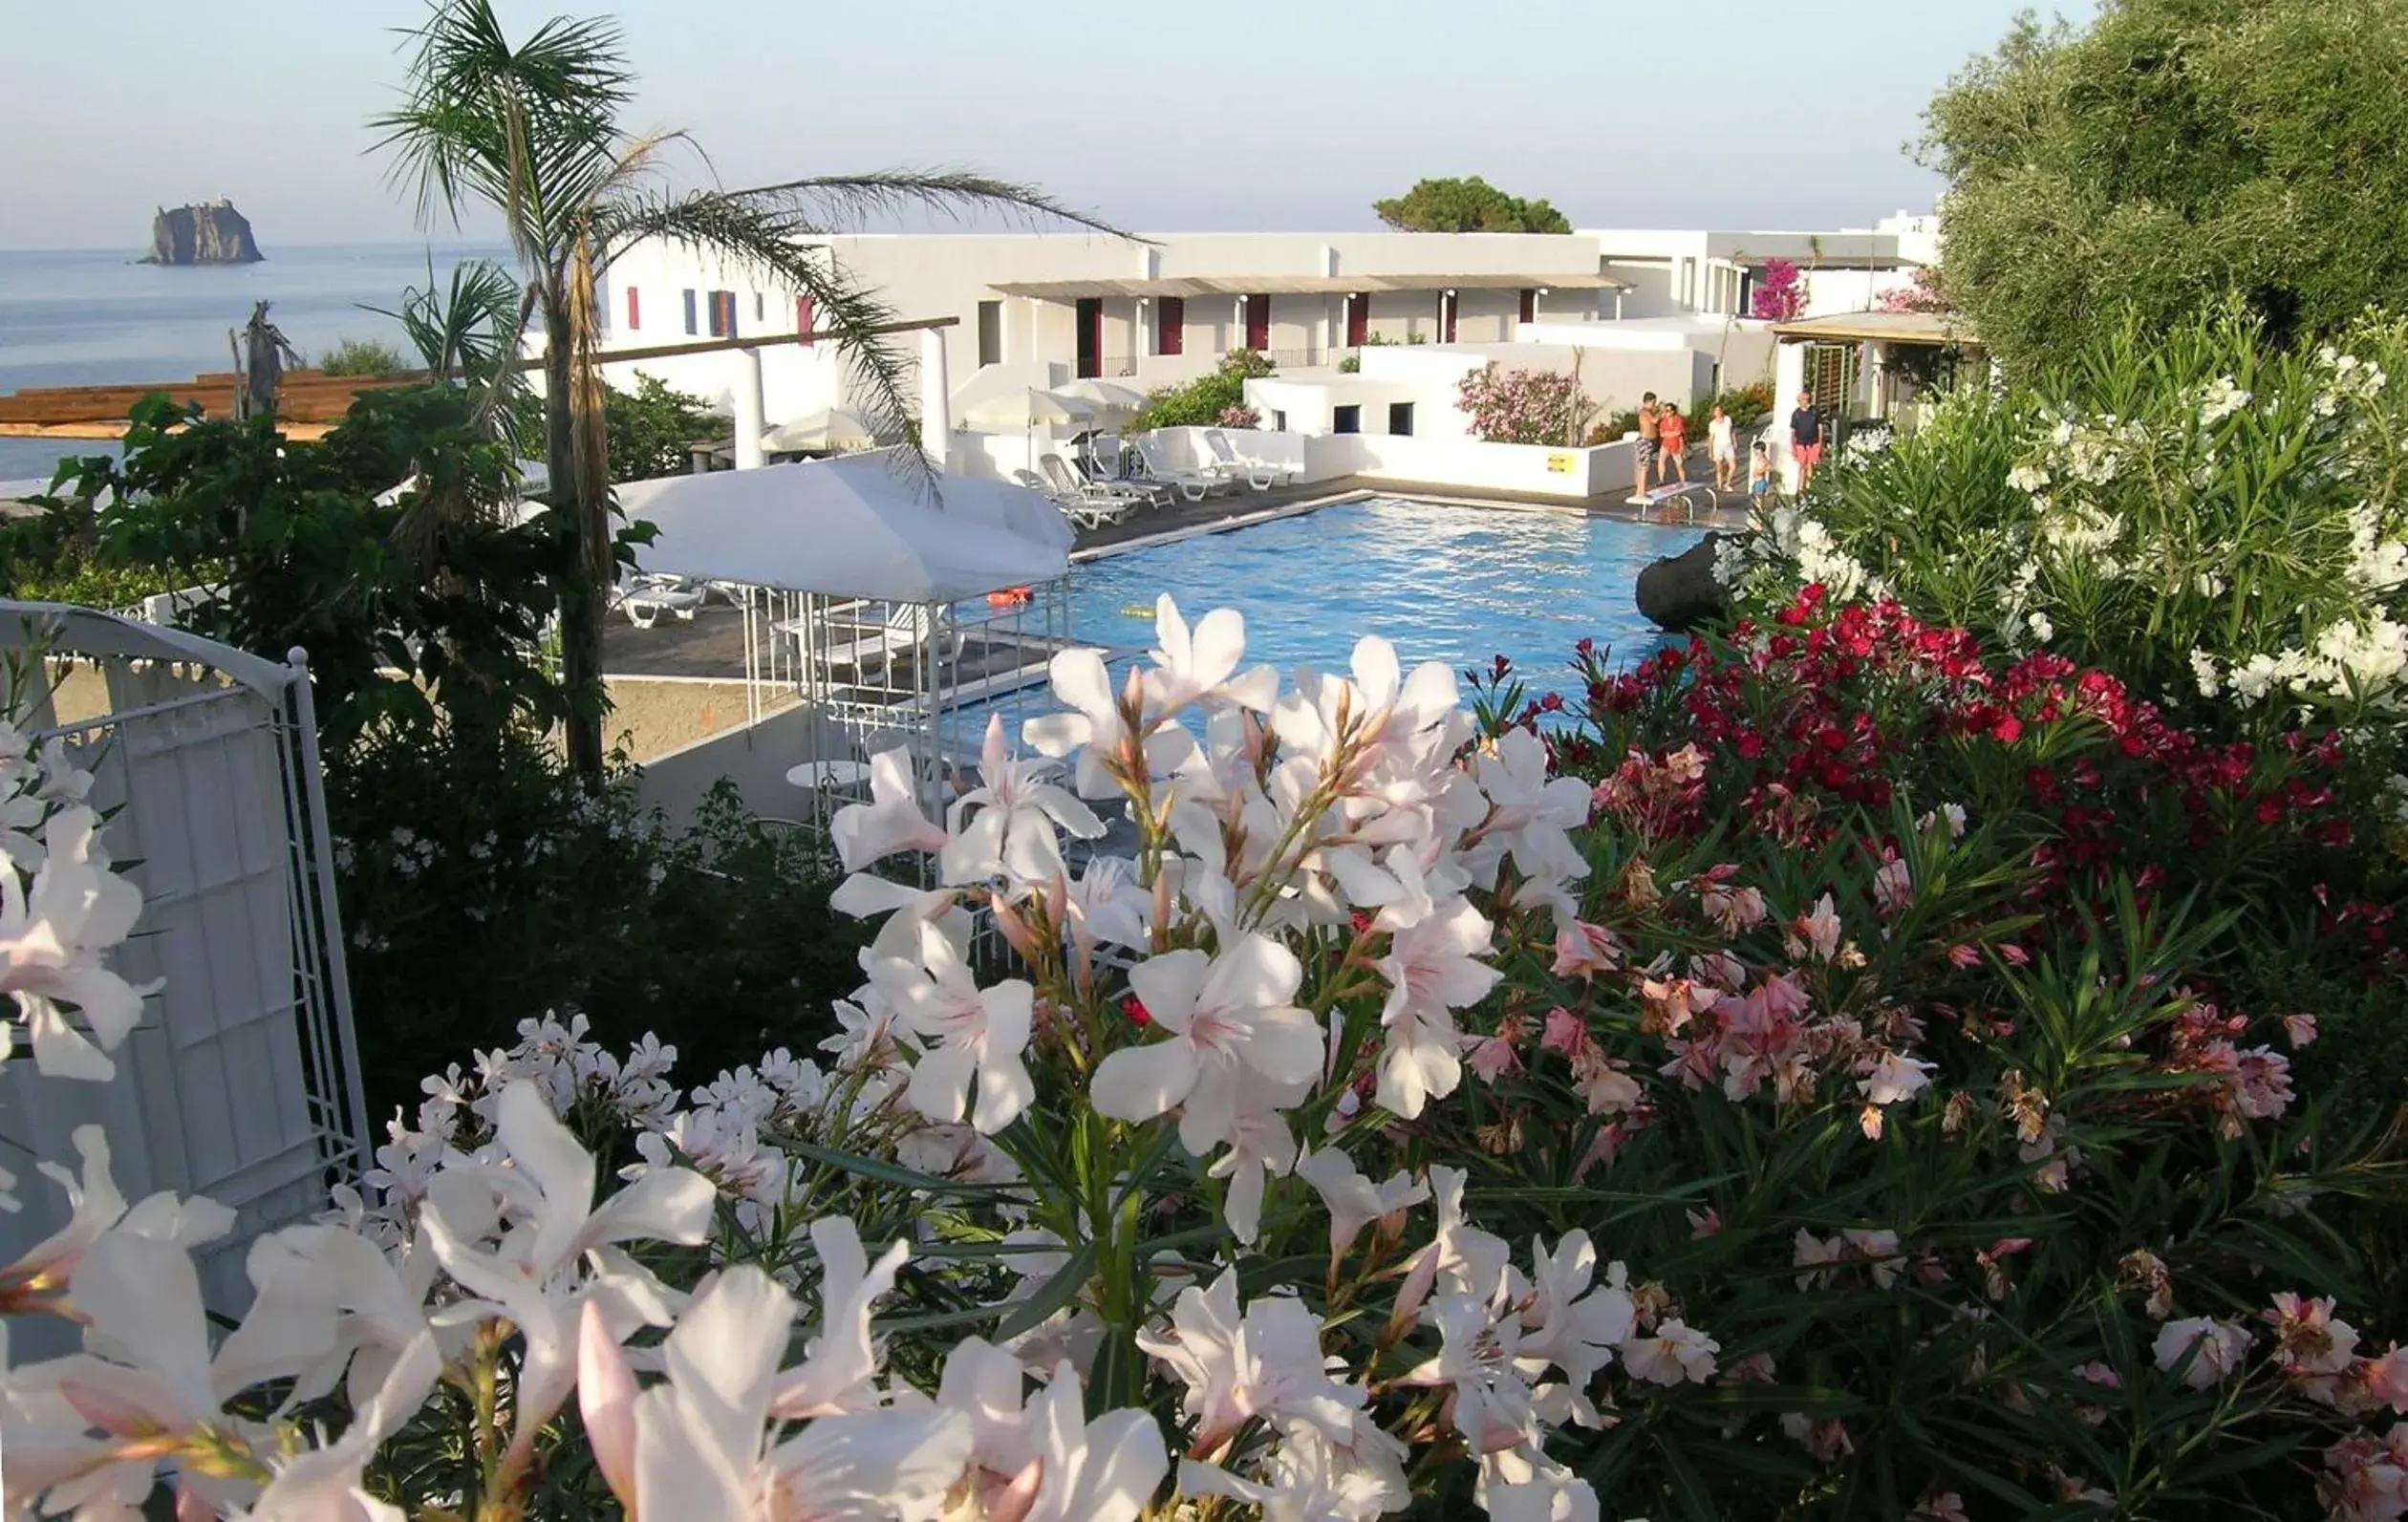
(1559, 464)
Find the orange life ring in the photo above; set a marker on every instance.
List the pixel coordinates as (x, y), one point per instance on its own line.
(1010, 597)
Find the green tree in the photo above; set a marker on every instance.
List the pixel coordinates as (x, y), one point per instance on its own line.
(652, 429)
(2173, 151)
(362, 356)
(531, 130)
(1468, 205)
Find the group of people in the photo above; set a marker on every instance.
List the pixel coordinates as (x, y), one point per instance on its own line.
(1664, 447)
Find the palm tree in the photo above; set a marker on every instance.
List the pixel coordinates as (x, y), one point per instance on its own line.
(531, 130)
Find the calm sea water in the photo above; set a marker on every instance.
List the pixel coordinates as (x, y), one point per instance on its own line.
(83, 318)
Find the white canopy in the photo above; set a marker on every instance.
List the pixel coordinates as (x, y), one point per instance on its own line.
(863, 526)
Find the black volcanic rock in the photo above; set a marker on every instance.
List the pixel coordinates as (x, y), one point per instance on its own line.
(211, 233)
(1680, 592)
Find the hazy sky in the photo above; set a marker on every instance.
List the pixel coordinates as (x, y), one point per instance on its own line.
(1242, 114)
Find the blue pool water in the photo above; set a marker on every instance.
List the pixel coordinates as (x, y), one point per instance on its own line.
(1459, 585)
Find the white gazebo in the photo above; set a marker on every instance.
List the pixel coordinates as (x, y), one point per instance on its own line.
(896, 605)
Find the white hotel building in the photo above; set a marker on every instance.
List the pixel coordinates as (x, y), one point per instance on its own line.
(1633, 311)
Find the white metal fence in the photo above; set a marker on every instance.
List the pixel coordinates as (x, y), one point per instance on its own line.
(241, 1082)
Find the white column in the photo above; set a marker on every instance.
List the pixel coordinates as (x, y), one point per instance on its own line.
(1789, 378)
(936, 398)
(750, 423)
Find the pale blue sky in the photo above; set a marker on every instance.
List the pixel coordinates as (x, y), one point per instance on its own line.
(1241, 114)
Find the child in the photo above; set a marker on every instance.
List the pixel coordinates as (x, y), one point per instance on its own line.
(1760, 473)
(1675, 442)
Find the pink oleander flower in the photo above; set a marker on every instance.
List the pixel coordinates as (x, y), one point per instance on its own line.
(1894, 1078)
(1673, 1353)
(1818, 928)
(2312, 1340)
(2220, 1347)
(1584, 950)
(1491, 1056)
(2300, 1030)
(1566, 1034)
(1893, 887)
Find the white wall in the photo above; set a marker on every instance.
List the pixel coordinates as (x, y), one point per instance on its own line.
(754, 756)
(1472, 465)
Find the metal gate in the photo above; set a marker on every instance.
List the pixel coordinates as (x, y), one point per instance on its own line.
(242, 1080)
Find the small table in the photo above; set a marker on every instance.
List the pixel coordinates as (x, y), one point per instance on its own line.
(826, 776)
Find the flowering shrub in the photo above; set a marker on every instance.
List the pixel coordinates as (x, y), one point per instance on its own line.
(2215, 523)
(1779, 295)
(1525, 406)
(1924, 294)
(1368, 1112)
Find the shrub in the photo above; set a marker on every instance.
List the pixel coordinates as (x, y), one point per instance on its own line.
(1524, 406)
(652, 429)
(1780, 295)
(2216, 523)
(1203, 402)
(483, 889)
(362, 356)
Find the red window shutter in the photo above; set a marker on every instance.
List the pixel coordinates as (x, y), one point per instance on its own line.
(635, 310)
(1358, 321)
(1170, 333)
(806, 315)
(1528, 306)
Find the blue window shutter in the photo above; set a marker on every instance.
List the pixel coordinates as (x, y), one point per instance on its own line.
(689, 312)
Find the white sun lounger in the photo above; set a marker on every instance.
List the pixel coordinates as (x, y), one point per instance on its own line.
(1260, 474)
(648, 597)
(1191, 485)
(908, 629)
(1085, 509)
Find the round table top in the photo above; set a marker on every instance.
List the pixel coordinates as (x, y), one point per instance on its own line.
(820, 774)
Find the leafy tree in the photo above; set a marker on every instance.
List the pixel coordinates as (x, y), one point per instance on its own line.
(407, 619)
(652, 429)
(362, 356)
(1207, 400)
(2173, 151)
(1468, 205)
(531, 130)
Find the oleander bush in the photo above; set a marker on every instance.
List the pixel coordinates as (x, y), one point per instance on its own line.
(2217, 521)
(1756, 1096)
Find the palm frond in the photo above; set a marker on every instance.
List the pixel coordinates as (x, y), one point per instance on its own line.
(773, 242)
(460, 332)
(470, 91)
(828, 203)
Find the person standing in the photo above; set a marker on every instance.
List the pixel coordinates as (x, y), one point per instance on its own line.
(1722, 446)
(1806, 437)
(1672, 430)
(1643, 456)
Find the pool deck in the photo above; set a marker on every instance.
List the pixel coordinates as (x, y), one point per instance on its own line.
(711, 645)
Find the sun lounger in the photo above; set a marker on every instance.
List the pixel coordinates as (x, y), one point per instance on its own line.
(1191, 485)
(907, 630)
(1260, 474)
(647, 597)
(1100, 466)
(1085, 504)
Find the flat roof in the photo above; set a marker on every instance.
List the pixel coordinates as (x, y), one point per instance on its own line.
(1302, 285)
(1879, 327)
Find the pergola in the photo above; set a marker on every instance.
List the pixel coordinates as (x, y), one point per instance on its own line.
(899, 606)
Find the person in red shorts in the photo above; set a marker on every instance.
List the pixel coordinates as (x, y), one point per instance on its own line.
(1806, 439)
(1672, 430)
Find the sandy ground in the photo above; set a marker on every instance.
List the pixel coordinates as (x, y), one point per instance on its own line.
(649, 717)
(652, 718)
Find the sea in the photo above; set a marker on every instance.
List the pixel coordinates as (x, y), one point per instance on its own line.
(96, 317)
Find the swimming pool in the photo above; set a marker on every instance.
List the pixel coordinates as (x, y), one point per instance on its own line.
(1460, 584)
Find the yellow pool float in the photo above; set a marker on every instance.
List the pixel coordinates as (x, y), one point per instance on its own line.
(1136, 611)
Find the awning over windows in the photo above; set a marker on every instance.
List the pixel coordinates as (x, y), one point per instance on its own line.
(1303, 285)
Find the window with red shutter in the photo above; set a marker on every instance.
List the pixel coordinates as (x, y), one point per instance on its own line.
(804, 316)
(635, 310)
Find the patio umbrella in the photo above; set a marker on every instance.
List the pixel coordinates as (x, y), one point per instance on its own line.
(823, 432)
(1025, 408)
(859, 526)
(1113, 401)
